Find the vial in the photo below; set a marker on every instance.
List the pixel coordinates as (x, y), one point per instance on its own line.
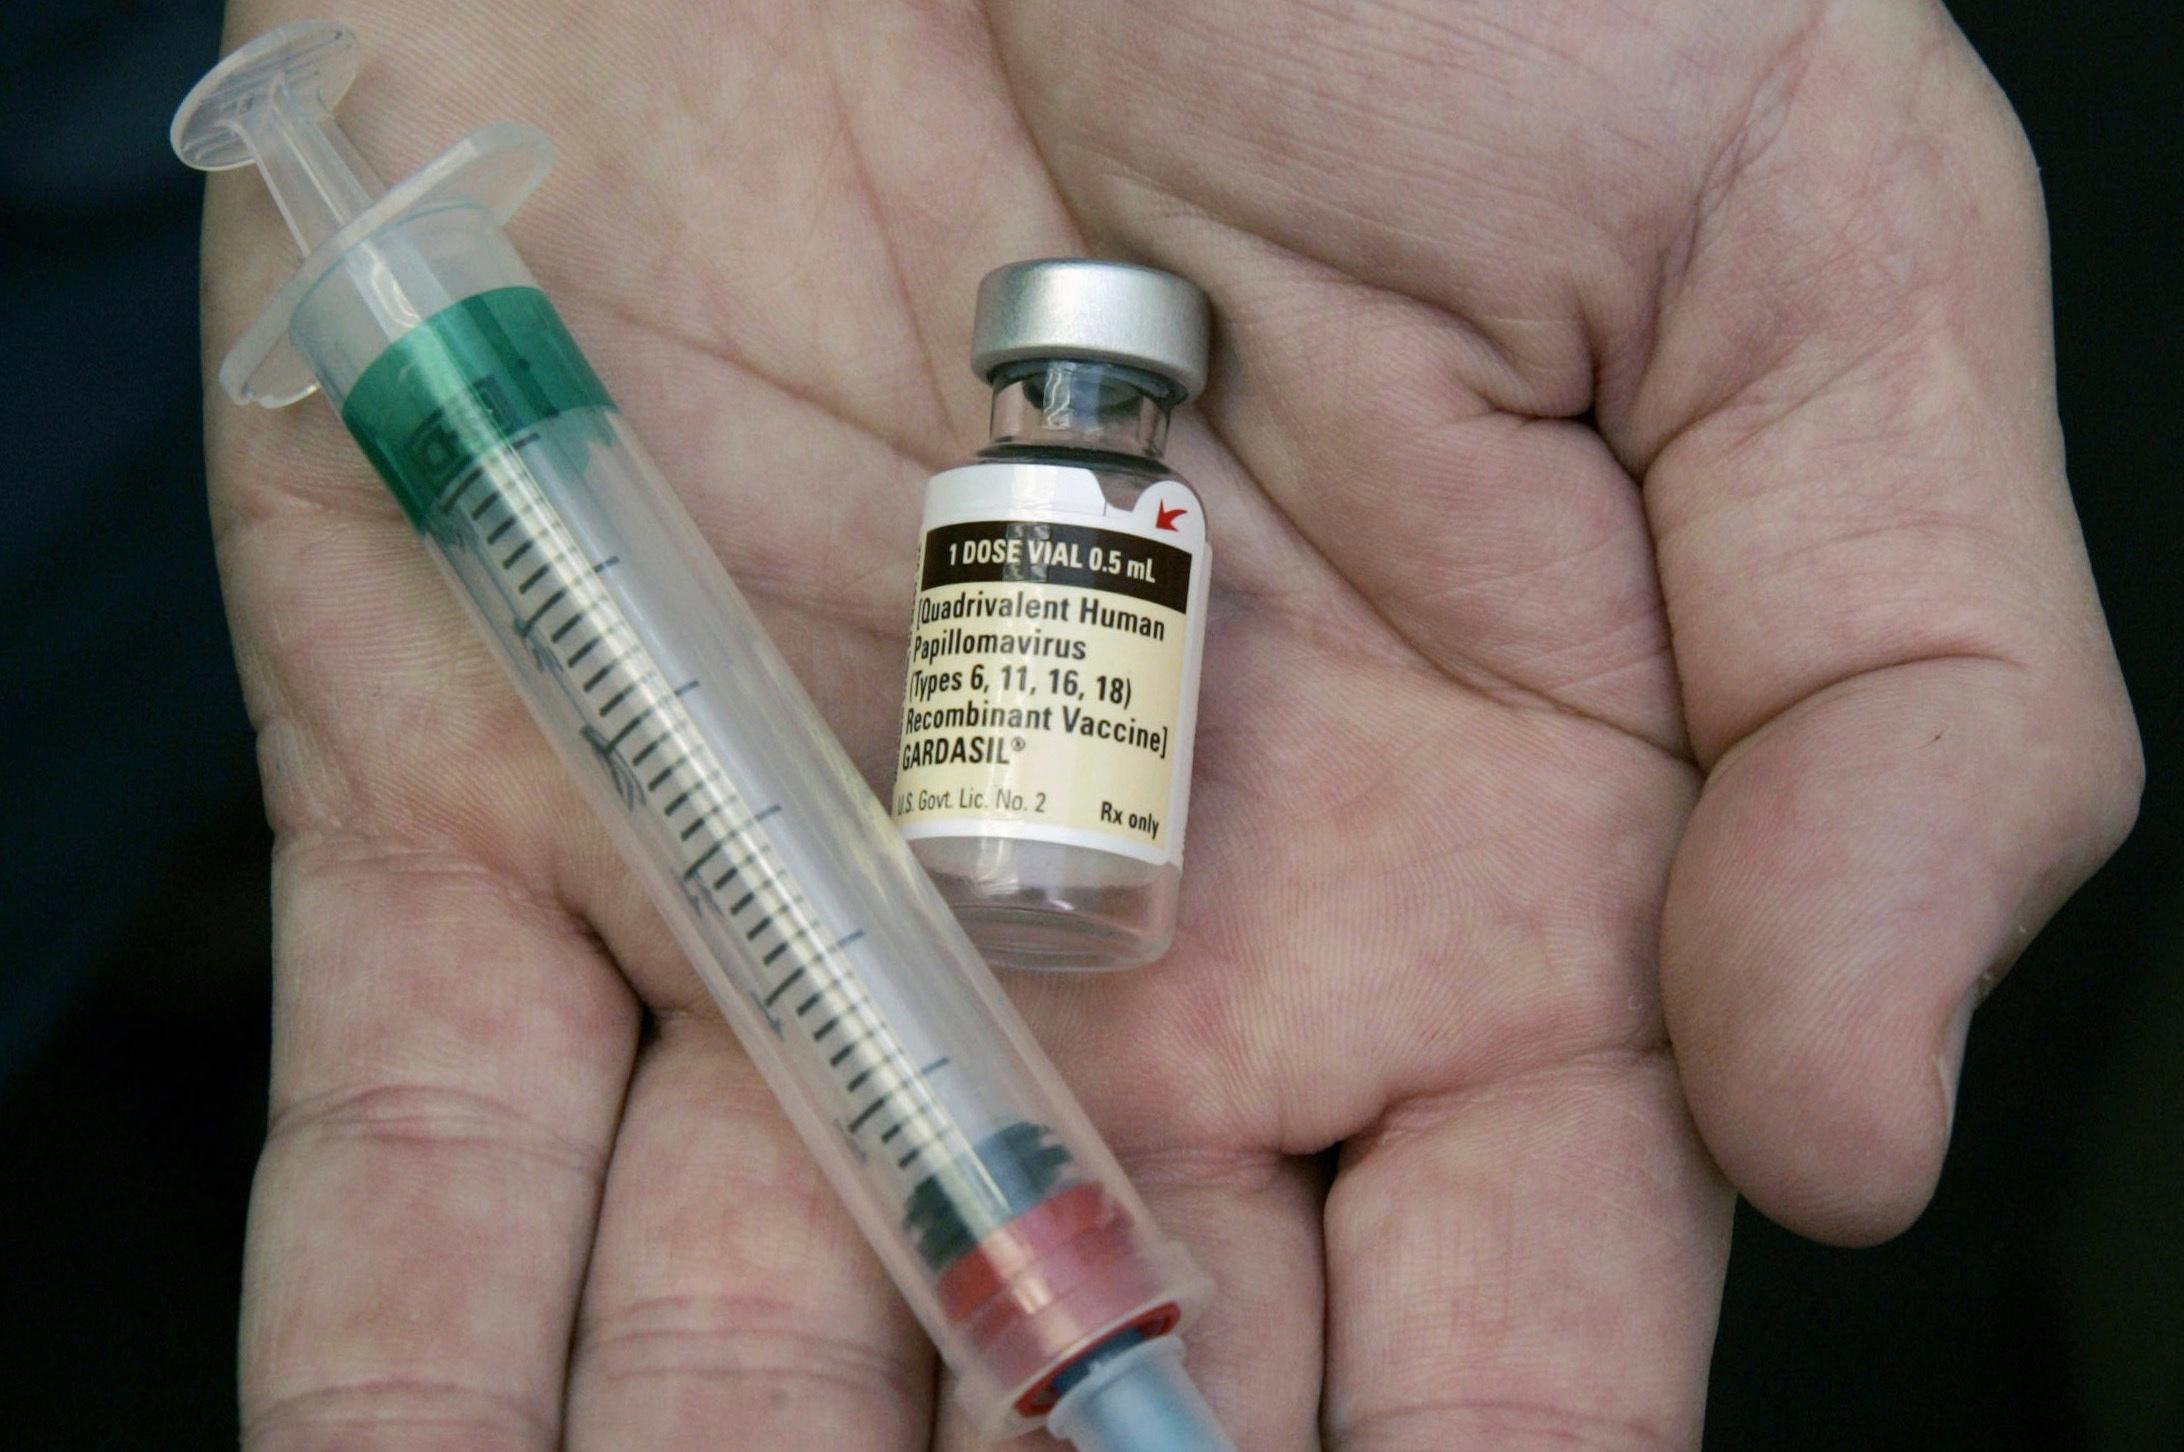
(1045, 767)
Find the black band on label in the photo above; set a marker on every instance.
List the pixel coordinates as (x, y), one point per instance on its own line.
(1031, 552)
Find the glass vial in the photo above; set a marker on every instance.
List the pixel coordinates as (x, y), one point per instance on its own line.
(1045, 766)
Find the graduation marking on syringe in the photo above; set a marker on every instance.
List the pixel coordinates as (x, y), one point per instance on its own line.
(834, 1018)
(783, 986)
(631, 725)
(540, 614)
(608, 669)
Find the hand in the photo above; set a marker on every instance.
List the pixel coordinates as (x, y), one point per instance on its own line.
(1655, 689)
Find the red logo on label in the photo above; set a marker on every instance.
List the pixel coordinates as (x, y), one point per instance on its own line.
(1165, 516)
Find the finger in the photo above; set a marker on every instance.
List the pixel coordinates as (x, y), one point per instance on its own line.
(448, 1063)
(730, 1300)
(1251, 1222)
(1891, 652)
(1534, 1263)
(851, 169)
(942, 176)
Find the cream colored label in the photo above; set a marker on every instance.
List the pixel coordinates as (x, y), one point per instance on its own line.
(1054, 654)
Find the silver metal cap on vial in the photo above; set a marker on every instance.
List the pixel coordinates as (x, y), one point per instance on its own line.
(1077, 307)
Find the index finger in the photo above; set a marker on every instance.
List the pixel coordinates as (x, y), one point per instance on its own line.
(449, 1059)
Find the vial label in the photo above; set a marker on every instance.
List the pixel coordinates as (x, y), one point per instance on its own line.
(1054, 657)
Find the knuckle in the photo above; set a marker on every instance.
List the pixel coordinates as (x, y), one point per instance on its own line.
(1986, 144)
(1999, 159)
(391, 1412)
(730, 1339)
(347, 861)
(2119, 785)
(429, 1117)
(1507, 1424)
(2089, 746)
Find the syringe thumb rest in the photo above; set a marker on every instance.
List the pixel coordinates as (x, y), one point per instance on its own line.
(1140, 1400)
(312, 58)
(270, 104)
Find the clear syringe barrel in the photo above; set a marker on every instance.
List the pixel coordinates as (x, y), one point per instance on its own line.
(965, 1161)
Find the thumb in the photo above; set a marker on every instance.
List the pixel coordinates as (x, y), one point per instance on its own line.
(1893, 661)
(1855, 878)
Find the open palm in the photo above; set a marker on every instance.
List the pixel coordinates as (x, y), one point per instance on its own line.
(1654, 687)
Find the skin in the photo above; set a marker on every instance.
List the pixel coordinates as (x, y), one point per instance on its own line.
(1654, 689)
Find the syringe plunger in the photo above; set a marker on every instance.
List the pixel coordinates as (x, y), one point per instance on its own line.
(270, 104)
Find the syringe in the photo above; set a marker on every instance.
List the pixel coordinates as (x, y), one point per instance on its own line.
(987, 1194)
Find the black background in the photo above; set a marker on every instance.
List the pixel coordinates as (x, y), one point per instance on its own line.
(2038, 1305)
